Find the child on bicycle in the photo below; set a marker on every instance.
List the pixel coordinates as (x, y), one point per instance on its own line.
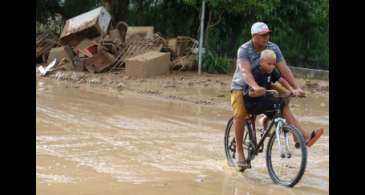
(265, 76)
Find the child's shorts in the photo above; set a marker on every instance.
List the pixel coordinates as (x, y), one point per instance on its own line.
(238, 101)
(262, 105)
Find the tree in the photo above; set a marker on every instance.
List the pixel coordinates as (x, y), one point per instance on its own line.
(299, 27)
(72, 8)
(217, 9)
(46, 9)
(118, 9)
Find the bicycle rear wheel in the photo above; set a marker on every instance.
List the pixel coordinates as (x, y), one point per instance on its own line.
(230, 143)
(286, 166)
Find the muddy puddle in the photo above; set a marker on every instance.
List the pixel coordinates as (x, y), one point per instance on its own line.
(92, 142)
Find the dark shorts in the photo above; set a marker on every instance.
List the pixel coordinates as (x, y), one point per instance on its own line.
(262, 105)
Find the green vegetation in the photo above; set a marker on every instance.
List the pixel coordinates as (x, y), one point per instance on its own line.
(300, 28)
(213, 63)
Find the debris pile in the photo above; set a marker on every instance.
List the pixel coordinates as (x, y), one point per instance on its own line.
(185, 51)
(89, 43)
(45, 42)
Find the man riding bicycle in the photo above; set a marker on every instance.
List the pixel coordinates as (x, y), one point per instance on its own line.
(248, 58)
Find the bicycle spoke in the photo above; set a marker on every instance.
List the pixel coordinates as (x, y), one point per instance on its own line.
(286, 163)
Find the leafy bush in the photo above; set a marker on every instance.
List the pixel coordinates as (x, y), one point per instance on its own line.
(213, 63)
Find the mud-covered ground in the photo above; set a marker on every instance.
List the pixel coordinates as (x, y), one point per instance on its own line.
(110, 134)
(212, 89)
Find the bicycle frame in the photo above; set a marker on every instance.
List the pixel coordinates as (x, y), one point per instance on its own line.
(278, 120)
(252, 134)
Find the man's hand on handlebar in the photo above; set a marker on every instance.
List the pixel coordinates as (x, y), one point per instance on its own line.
(298, 92)
(260, 91)
(257, 91)
(272, 92)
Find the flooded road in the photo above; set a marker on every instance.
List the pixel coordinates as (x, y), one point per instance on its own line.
(93, 142)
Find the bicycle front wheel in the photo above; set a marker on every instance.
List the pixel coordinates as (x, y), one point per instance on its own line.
(285, 163)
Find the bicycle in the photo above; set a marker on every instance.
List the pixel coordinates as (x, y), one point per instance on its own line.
(279, 145)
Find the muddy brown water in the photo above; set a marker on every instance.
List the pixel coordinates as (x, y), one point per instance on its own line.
(92, 142)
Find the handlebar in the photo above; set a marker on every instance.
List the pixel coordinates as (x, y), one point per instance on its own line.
(275, 93)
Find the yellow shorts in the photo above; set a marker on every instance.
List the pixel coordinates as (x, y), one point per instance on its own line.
(238, 103)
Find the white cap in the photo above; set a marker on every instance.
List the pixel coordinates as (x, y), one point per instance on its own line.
(259, 28)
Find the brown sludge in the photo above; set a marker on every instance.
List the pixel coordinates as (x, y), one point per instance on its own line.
(102, 141)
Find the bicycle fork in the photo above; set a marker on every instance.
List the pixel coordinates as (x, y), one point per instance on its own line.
(280, 122)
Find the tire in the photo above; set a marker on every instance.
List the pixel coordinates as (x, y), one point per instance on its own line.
(228, 138)
(302, 159)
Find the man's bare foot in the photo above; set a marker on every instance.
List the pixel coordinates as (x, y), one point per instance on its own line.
(242, 165)
(240, 155)
(241, 162)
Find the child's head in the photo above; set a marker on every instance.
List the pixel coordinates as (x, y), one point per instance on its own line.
(267, 60)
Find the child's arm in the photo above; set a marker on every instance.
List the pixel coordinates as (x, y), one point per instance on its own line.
(285, 83)
(253, 93)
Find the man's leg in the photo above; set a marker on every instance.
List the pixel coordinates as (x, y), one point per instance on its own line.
(310, 138)
(239, 115)
(288, 115)
(239, 123)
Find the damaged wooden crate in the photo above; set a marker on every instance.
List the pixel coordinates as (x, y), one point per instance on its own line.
(172, 45)
(118, 34)
(137, 47)
(44, 43)
(99, 62)
(185, 45)
(111, 46)
(60, 53)
(148, 64)
(185, 52)
(140, 32)
(184, 62)
(87, 25)
(86, 48)
(122, 28)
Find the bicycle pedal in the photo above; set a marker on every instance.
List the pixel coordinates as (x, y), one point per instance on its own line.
(260, 149)
(244, 169)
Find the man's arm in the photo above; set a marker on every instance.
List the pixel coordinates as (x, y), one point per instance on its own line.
(285, 83)
(287, 74)
(284, 69)
(245, 68)
(247, 74)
